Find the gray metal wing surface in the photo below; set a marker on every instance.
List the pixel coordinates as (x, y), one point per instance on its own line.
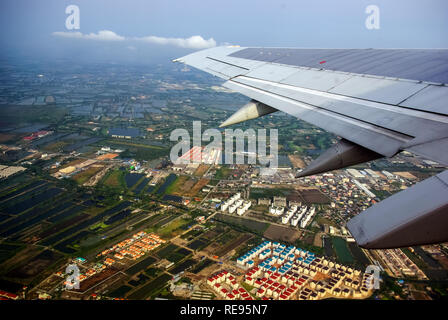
(380, 101)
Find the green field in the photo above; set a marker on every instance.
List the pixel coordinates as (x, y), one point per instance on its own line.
(243, 224)
(114, 179)
(340, 247)
(257, 193)
(173, 228)
(223, 173)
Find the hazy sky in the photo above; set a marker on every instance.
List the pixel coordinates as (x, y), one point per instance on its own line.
(153, 31)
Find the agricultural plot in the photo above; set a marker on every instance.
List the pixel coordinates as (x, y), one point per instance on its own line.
(314, 196)
(119, 216)
(114, 179)
(150, 222)
(34, 266)
(152, 272)
(360, 258)
(165, 220)
(328, 247)
(10, 194)
(85, 223)
(202, 265)
(197, 187)
(4, 217)
(233, 244)
(20, 222)
(62, 225)
(223, 173)
(256, 193)
(296, 161)
(28, 223)
(7, 250)
(120, 292)
(132, 178)
(29, 201)
(181, 185)
(178, 255)
(190, 235)
(342, 252)
(141, 185)
(81, 144)
(209, 235)
(72, 242)
(141, 279)
(88, 173)
(244, 224)
(97, 278)
(278, 233)
(168, 181)
(150, 288)
(64, 214)
(141, 265)
(201, 170)
(173, 228)
(165, 251)
(183, 266)
(197, 244)
(173, 198)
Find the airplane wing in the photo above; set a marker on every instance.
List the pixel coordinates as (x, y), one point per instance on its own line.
(380, 101)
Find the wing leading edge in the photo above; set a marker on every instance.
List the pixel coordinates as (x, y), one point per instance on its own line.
(380, 102)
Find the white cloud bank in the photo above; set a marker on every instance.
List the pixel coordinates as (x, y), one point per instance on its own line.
(194, 42)
(103, 35)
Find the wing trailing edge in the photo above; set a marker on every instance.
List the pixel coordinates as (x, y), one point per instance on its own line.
(415, 216)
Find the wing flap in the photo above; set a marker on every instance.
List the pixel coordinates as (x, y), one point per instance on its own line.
(316, 79)
(432, 99)
(415, 216)
(367, 135)
(379, 90)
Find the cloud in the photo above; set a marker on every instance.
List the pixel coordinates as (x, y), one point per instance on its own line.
(194, 42)
(103, 35)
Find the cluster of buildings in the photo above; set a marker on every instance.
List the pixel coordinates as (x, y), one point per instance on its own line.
(308, 215)
(4, 295)
(37, 135)
(135, 247)
(271, 285)
(285, 272)
(226, 287)
(7, 171)
(235, 203)
(124, 133)
(347, 198)
(199, 154)
(72, 169)
(83, 275)
(399, 264)
(294, 215)
(105, 150)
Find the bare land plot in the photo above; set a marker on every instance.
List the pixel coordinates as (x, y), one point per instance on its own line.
(279, 233)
